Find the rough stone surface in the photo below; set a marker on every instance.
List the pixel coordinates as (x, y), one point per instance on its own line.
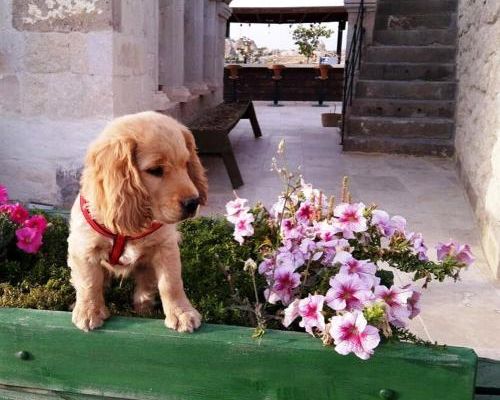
(477, 118)
(425, 190)
(62, 15)
(9, 84)
(46, 53)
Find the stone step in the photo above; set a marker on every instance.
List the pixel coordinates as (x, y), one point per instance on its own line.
(436, 128)
(402, 108)
(414, 90)
(417, 37)
(416, 7)
(407, 71)
(410, 54)
(411, 22)
(419, 147)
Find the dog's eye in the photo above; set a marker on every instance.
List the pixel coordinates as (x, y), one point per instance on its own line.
(156, 171)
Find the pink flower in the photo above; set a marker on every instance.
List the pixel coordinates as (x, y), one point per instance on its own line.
(351, 333)
(364, 270)
(243, 227)
(29, 239)
(4, 195)
(310, 249)
(290, 230)
(310, 310)
(305, 213)
(38, 222)
(236, 209)
(462, 253)
(350, 219)
(413, 301)
(327, 231)
(347, 292)
(267, 266)
(387, 226)
(285, 280)
(17, 212)
(396, 301)
(291, 313)
(290, 257)
(417, 242)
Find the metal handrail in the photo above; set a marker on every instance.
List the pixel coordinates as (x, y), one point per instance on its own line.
(352, 64)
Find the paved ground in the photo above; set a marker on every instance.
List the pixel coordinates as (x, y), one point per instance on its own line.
(425, 190)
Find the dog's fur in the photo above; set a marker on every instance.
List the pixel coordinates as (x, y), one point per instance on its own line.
(126, 199)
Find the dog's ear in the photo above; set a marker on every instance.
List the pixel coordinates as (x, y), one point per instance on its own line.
(113, 181)
(195, 169)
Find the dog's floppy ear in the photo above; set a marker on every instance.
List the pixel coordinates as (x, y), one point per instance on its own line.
(113, 181)
(195, 169)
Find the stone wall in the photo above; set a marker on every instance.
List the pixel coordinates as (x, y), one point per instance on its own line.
(68, 67)
(478, 117)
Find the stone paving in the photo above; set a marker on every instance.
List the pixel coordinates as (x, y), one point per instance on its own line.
(424, 190)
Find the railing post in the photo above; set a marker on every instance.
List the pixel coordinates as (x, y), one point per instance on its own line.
(368, 23)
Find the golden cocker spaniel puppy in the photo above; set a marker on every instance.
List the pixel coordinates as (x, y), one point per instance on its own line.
(141, 176)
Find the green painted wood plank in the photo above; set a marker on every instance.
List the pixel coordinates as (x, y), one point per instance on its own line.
(17, 393)
(132, 358)
(488, 374)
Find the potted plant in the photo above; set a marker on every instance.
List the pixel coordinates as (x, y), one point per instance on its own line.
(331, 119)
(255, 270)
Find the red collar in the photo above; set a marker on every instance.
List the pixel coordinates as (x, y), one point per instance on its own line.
(119, 241)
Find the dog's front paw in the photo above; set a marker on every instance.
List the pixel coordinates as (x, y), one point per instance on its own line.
(89, 316)
(183, 319)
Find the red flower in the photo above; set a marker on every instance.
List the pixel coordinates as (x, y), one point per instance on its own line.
(29, 239)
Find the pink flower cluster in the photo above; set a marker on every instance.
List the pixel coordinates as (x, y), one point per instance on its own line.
(239, 214)
(317, 238)
(30, 232)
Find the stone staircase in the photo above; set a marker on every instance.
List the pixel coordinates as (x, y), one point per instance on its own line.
(404, 98)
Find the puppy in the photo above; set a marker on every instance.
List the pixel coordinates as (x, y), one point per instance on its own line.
(141, 176)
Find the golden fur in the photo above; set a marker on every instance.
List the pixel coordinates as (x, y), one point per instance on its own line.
(126, 197)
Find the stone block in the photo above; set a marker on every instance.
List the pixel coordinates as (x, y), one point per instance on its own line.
(34, 94)
(11, 51)
(77, 96)
(129, 56)
(91, 53)
(46, 52)
(9, 94)
(62, 15)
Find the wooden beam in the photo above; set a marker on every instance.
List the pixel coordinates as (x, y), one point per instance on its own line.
(133, 358)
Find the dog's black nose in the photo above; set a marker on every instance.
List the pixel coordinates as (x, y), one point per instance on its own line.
(190, 205)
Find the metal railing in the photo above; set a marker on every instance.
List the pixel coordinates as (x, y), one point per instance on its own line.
(352, 64)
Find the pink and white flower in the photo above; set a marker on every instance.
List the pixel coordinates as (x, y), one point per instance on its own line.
(306, 213)
(413, 301)
(4, 195)
(417, 242)
(347, 292)
(352, 334)
(236, 209)
(29, 239)
(285, 280)
(310, 309)
(350, 219)
(387, 226)
(396, 302)
(291, 313)
(243, 227)
(462, 253)
(363, 269)
(267, 266)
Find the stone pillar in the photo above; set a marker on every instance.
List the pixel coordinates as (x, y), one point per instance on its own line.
(193, 47)
(352, 7)
(210, 56)
(223, 14)
(171, 50)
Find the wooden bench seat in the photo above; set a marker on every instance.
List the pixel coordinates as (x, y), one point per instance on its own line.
(212, 128)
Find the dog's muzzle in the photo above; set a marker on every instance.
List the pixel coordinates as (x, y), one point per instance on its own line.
(190, 206)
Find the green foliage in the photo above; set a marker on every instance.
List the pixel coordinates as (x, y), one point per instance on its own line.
(307, 38)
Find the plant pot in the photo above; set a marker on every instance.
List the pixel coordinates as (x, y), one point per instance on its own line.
(43, 356)
(331, 119)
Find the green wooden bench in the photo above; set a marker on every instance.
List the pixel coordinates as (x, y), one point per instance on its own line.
(43, 356)
(212, 128)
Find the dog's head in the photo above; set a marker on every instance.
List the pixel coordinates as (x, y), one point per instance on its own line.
(143, 167)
